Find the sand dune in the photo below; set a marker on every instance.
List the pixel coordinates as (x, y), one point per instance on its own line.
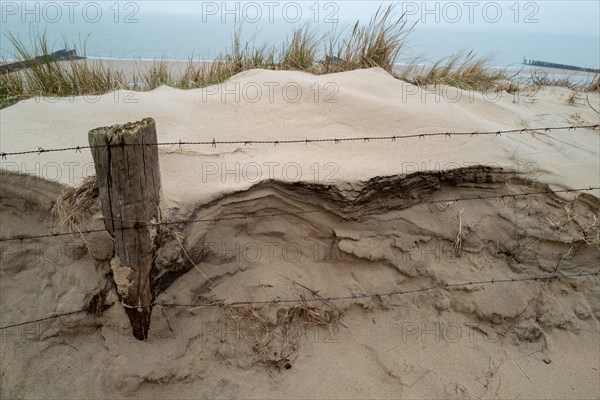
(376, 231)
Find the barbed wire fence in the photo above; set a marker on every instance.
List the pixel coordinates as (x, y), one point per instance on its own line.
(446, 286)
(306, 141)
(142, 224)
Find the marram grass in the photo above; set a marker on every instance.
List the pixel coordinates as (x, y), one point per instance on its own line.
(378, 43)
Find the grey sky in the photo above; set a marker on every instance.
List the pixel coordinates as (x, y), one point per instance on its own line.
(569, 17)
(507, 30)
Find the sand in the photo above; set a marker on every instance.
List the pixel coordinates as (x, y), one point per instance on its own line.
(132, 69)
(371, 235)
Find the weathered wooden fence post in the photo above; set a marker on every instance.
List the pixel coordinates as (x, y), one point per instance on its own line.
(128, 176)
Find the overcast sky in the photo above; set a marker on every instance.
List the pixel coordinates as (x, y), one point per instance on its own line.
(570, 17)
(509, 30)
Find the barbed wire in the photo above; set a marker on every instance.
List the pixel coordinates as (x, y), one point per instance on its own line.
(53, 316)
(305, 141)
(142, 224)
(393, 293)
(336, 298)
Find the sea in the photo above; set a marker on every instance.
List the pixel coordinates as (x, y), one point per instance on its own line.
(151, 30)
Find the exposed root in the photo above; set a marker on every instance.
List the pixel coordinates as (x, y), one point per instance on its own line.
(178, 237)
(98, 303)
(458, 240)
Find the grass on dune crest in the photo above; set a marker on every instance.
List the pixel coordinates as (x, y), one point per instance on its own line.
(48, 77)
(240, 58)
(463, 70)
(593, 86)
(540, 78)
(378, 43)
(157, 75)
(300, 53)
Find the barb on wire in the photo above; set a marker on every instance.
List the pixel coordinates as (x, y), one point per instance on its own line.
(392, 293)
(340, 298)
(143, 224)
(363, 139)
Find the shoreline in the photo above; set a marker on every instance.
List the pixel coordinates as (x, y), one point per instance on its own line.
(140, 74)
(177, 67)
(512, 66)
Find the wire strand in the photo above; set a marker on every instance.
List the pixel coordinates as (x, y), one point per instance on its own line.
(393, 293)
(305, 141)
(142, 224)
(55, 316)
(339, 298)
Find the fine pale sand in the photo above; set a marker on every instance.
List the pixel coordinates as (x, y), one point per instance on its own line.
(525, 339)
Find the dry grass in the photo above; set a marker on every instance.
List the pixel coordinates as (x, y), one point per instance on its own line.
(378, 43)
(594, 85)
(12, 88)
(459, 237)
(75, 205)
(463, 70)
(541, 78)
(274, 342)
(572, 98)
(301, 51)
(48, 77)
(591, 232)
(241, 58)
(159, 74)
(204, 75)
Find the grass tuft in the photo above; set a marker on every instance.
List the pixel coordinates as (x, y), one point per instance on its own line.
(378, 43)
(300, 52)
(48, 77)
(275, 342)
(463, 70)
(76, 205)
(594, 85)
(159, 74)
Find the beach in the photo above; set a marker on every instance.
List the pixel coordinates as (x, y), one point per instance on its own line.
(313, 200)
(427, 257)
(522, 73)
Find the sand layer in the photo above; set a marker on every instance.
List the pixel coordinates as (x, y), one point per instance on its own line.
(379, 223)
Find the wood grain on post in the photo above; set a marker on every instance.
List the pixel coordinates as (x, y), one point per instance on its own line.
(126, 162)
